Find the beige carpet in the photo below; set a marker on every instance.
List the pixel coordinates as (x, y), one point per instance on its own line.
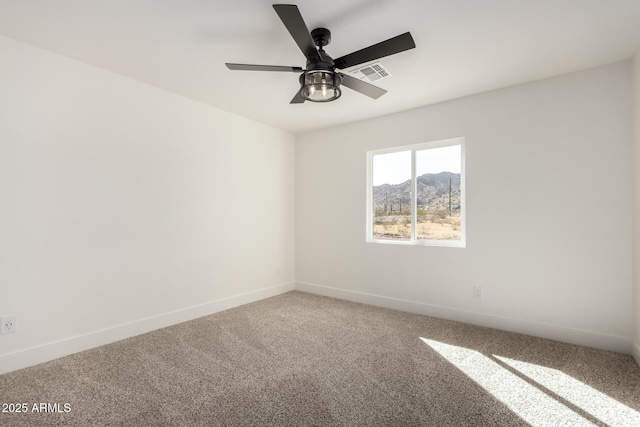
(300, 360)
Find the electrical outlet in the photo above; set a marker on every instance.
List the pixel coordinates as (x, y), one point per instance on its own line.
(7, 325)
(477, 292)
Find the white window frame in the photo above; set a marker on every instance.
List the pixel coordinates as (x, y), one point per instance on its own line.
(462, 243)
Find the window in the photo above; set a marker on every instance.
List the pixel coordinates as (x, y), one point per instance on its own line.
(415, 194)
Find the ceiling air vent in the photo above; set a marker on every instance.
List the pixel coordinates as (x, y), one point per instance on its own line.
(371, 73)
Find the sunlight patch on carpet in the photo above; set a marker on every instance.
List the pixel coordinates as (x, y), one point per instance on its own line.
(530, 403)
(590, 400)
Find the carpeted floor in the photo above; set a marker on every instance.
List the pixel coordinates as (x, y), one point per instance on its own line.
(300, 359)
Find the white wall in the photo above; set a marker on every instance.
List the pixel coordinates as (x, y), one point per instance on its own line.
(125, 208)
(548, 205)
(636, 202)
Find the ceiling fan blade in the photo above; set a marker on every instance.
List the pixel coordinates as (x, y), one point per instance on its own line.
(292, 19)
(298, 99)
(388, 47)
(363, 87)
(251, 67)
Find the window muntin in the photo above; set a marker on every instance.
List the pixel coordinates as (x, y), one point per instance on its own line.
(415, 194)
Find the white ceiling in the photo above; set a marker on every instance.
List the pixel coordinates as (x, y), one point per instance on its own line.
(462, 47)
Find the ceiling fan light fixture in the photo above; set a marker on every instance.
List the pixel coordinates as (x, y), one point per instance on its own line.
(320, 85)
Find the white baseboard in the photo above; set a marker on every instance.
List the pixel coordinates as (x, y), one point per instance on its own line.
(527, 327)
(54, 350)
(636, 352)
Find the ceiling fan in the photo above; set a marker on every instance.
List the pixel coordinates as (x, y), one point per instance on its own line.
(319, 81)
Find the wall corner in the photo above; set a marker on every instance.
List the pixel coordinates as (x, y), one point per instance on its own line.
(635, 195)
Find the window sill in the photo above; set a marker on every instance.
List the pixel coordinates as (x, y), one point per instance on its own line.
(436, 243)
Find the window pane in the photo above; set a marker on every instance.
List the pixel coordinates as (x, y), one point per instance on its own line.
(392, 196)
(438, 193)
